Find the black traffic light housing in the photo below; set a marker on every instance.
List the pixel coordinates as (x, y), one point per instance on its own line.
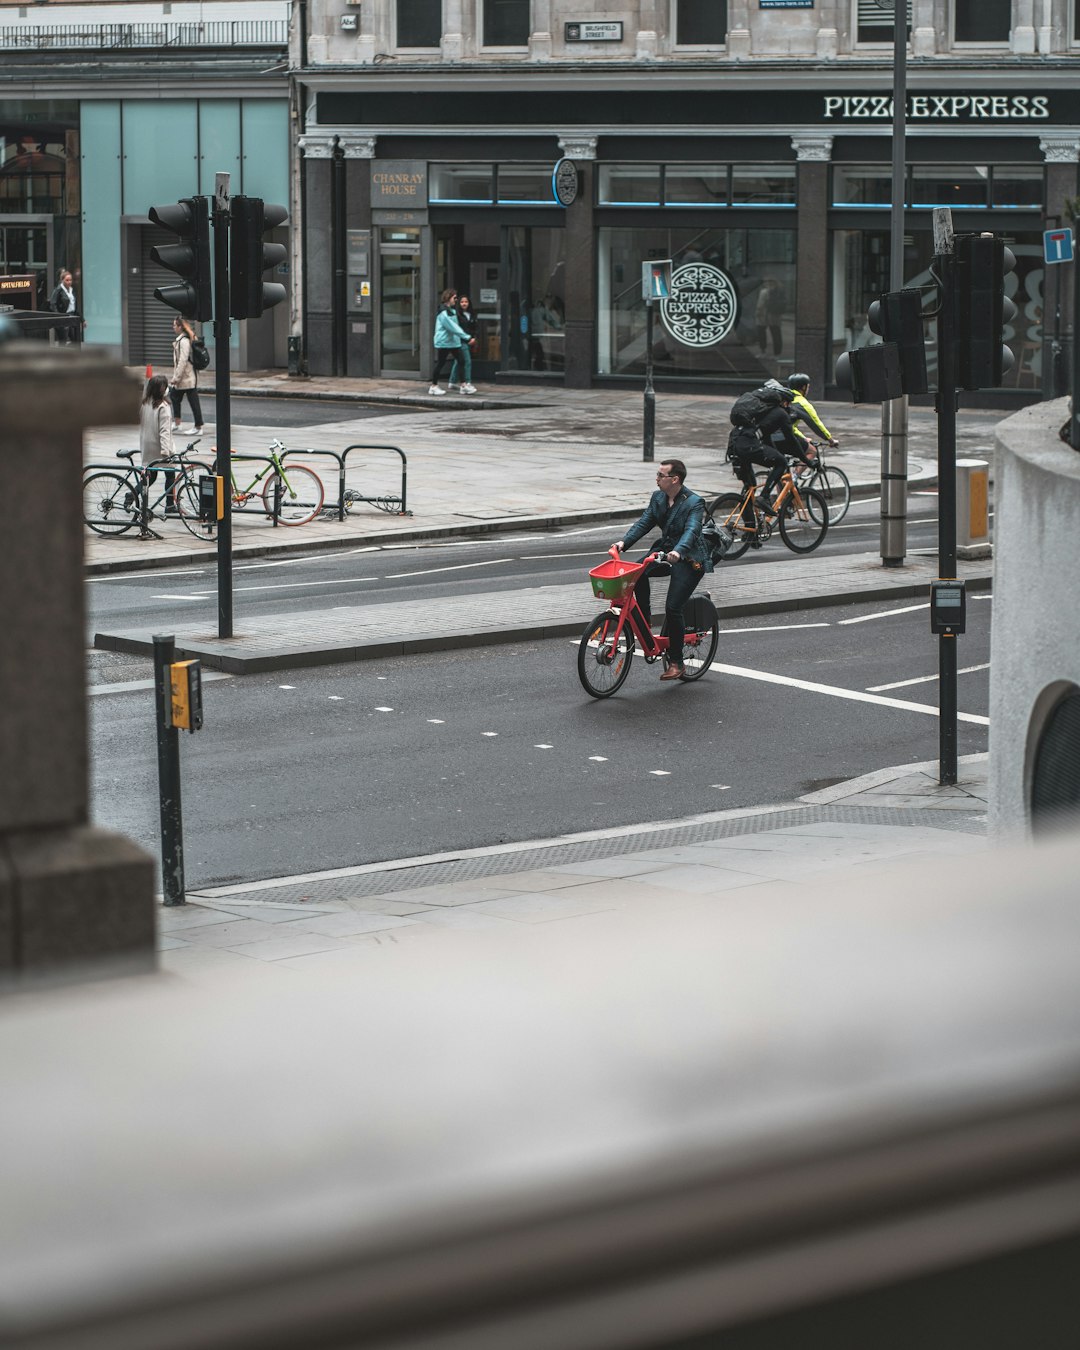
(981, 309)
(898, 317)
(249, 257)
(871, 374)
(188, 218)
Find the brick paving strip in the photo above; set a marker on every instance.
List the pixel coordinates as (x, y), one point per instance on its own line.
(367, 632)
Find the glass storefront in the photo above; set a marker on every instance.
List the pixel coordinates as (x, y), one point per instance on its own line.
(399, 301)
(860, 273)
(732, 313)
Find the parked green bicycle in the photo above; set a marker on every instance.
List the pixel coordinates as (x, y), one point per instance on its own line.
(290, 493)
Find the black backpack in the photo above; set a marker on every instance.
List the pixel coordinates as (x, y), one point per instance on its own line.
(749, 409)
(200, 357)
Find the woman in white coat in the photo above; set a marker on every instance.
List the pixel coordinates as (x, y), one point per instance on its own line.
(185, 378)
(155, 433)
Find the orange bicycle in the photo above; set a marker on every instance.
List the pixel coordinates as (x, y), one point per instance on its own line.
(607, 645)
(802, 515)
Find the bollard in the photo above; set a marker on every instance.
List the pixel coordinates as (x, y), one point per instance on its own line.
(973, 509)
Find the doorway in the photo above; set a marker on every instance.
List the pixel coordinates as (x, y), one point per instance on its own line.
(399, 302)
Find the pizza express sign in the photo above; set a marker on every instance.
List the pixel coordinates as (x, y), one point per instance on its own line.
(939, 107)
(703, 307)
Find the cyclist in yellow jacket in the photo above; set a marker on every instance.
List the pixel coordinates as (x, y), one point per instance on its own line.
(803, 410)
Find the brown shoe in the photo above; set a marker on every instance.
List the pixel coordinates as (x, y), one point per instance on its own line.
(673, 673)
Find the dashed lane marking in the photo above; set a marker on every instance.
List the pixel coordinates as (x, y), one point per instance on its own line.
(855, 695)
(134, 686)
(457, 567)
(886, 613)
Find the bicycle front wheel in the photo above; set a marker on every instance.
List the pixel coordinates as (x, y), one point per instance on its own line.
(110, 503)
(301, 494)
(186, 497)
(602, 663)
(702, 636)
(725, 511)
(803, 529)
(834, 486)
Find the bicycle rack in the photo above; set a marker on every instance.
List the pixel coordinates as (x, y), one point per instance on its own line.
(144, 471)
(347, 496)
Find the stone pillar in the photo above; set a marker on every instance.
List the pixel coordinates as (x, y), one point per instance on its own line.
(812, 259)
(317, 149)
(540, 38)
(646, 45)
(738, 36)
(360, 327)
(1023, 29)
(580, 265)
(923, 28)
(453, 43)
(71, 896)
(1047, 32)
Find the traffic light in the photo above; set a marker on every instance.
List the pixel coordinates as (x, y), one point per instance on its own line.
(190, 259)
(249, 257)
(982, 262)
(871, 374)
(897, 317)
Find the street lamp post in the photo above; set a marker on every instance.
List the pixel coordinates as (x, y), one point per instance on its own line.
(894, 413)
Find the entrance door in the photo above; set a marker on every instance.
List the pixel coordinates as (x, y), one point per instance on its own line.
(399, 302)
(24, 251)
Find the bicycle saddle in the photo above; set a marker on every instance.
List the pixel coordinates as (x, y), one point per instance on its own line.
(125, 454)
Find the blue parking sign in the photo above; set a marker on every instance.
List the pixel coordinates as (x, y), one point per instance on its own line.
(1058, 245)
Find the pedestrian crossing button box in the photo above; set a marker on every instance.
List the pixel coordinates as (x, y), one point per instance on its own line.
(211, 497)
(184, 705)
(948, 607)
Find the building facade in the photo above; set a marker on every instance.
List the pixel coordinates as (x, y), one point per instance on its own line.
(108, 109)
(748, 141)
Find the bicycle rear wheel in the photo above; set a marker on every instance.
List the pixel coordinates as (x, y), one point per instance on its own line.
(725, 511)
(702, 636)
(602, 664)
(186, 496)
(802, 530)
(301, 494)
(834, 486)
(110, 503)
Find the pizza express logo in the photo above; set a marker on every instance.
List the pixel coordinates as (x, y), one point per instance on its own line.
(703, 307)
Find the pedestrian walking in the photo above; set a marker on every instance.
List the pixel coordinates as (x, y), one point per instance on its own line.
(767, 314)
(63, 301)
(449, 337)
(185, 378)
(463, 312)
(155, 433)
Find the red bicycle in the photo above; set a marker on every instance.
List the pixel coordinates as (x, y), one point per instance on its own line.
(607, 645)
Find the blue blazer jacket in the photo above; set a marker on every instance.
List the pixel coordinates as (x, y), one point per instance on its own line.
(680, 526)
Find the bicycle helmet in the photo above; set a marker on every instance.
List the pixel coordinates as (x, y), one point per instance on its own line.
(798, 381)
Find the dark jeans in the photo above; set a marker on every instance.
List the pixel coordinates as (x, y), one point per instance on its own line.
(773, 331)
(177, 397)
(442, 355)
(684, 578)
(769, 458)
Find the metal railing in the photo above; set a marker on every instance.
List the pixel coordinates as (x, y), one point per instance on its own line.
(118, 36)
(395, 505)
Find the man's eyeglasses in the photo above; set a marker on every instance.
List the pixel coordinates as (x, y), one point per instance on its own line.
(665, 475)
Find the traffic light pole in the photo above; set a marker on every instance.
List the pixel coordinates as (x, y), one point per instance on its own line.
(894, 412)
(223, 415)
(944, 267)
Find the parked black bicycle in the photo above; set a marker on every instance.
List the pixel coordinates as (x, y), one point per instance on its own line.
(118, 500)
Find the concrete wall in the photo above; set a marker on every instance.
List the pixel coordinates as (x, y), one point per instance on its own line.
(1035, 649)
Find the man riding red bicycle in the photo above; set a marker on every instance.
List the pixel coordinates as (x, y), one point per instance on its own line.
(679, 514)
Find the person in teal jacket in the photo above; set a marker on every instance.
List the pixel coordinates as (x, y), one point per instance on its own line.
(449, 336)
(679, 515)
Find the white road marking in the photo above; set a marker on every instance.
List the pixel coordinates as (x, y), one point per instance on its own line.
(980, 597)
(489, 733)
(599, 759)
(201, 596)
(542, 746)
(382, 708)
(886, 613)
(437, 721)
(721, 787)
(660, 773)
(148, 576)
(856, 695)
(535, 557)
(275, 586)
(457, 567)
(775, 628)
(336, 698)
(286, 686)
(134, 686)
(922, 679)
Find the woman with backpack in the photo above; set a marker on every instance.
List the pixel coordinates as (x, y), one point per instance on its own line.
(185, 378)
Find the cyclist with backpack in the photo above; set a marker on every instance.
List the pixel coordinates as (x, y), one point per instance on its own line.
(185, 379)
(764, 434)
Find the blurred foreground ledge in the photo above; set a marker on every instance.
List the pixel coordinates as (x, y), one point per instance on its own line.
(843, 1115)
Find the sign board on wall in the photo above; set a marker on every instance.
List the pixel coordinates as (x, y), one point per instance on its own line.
(703, 307)
(786, 4)
(19, 291)
(399, 183)
(564, 182)
(593, 32)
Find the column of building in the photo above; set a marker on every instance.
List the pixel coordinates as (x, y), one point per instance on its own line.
(812, 260)
(581, 265)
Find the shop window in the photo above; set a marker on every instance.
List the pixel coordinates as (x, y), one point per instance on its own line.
(773, 185)
(1017, 186)
(874, 23)
(982, 21)
(696, 185)
(629, 185)
(507, 23)
(701, 23)
(1076, 23)
(471, 184)
(954, 185)
(524, 183)
(862, 185)
(732, 314)
(419, 23)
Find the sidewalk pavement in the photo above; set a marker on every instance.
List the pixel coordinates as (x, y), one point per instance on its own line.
(322, 923)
